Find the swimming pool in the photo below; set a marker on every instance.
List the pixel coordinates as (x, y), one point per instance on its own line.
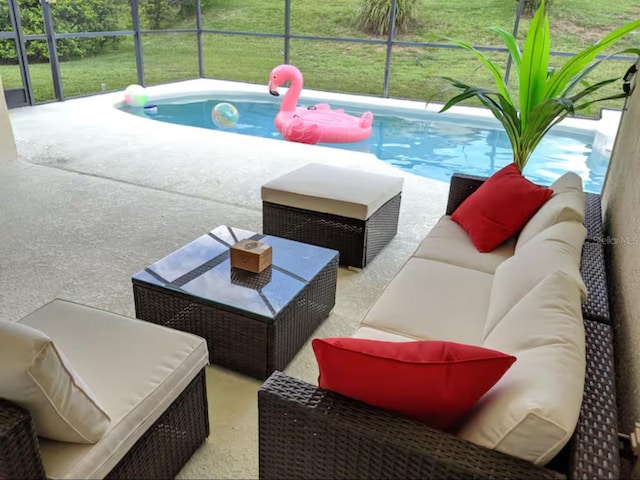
(424, 143)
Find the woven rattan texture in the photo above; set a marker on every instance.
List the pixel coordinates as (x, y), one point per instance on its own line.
(234, 341)
(460, 188)
(167, 445)
(308, 433)
(248, 345)
(307, 311)
(358, 241)
(593, 217)
(19, 450)
(595, 441)
(160, 453)
(592, 268)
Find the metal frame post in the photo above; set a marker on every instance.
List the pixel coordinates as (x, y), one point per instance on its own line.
(199, 35)
(516, 25)
(387, 63)
(287, 30)
(21, 50)
(135, 19)
(53, 50)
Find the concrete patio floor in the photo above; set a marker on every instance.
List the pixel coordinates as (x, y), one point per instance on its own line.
(98, 194)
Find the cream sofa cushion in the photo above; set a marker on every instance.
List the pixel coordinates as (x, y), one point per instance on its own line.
(35, 374)
(532, 411)
(557, 248)
(335, 190)
(371, 333)
(566, 203)
(136, 370)
(432, 300)
(448, 242)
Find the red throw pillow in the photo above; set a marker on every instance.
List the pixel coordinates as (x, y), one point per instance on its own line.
(500, 208)
(432, 381)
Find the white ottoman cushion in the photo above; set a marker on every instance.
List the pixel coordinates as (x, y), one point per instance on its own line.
(334, 190)
(136, 370)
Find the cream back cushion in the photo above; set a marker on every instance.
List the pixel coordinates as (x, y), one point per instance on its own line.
(557, 248)
(533, 410)
(566, 203)
(36, 375)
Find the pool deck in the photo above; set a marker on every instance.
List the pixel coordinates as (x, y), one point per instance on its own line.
(97, 194)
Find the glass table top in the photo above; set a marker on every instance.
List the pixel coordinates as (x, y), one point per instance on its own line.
(202, 269)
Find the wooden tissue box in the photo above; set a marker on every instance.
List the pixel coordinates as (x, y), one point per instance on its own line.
(251, 255)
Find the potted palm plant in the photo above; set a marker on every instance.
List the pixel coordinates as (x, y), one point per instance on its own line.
(546, 96)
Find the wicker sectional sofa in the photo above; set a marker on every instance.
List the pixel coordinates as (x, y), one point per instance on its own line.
(308, 432)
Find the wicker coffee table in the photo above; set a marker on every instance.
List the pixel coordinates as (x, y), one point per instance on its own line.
(253, 323)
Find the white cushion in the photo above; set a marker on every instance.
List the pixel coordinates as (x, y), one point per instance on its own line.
(372, 333)
(448, 242)
(35, 374)
(557, 248)
(566, 203)
(335, 190)
(432, 300)
(533, 409)
(136, 370)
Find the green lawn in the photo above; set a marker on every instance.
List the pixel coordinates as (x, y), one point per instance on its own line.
(332, 65)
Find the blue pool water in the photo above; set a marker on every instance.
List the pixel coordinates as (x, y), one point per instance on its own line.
(428, 144)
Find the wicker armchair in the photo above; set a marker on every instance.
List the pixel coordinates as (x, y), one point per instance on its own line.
(170, 439)
(308, 432)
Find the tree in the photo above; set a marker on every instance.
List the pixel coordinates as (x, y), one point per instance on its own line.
(69, 16)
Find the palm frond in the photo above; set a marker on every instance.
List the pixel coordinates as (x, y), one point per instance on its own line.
(512, 45)
(497, 75)
(580, 61)
(535, 62)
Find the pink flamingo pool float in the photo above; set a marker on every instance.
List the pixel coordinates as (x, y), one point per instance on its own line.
(318, 123)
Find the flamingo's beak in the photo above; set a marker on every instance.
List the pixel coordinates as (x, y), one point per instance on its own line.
(273, 90)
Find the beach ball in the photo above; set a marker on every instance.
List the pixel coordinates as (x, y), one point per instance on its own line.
(135, 96)
(225, 115)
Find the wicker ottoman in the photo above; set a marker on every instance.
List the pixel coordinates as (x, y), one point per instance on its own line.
(351, 211)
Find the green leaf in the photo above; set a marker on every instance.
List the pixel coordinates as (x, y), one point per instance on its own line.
(512, 45)
(535, 62)
(580, 77)
(579, 61)
(582, 106)
(497, 76)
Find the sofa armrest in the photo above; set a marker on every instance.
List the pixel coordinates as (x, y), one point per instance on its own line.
(594, 448)
(460, 188)
(593, 217)
(592, 268)
(308, 432)
(19, 448)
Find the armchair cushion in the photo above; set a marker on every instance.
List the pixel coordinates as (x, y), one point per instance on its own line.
(432, 381)
(500, 208)
(35, 374)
